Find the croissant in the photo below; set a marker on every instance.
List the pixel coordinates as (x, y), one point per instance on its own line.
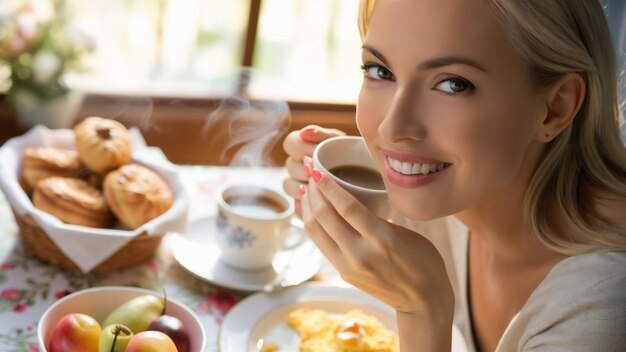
(136, 195)
(102, 144)
(39, 163)
(73, 201)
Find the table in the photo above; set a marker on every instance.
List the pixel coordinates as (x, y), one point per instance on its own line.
(28, 286)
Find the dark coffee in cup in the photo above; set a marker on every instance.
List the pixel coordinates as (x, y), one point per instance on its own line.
(255, 206)
(360, 176)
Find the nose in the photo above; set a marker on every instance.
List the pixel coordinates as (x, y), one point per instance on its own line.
(402, 119)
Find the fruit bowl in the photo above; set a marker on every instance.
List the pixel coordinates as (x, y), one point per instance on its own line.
(99, 302)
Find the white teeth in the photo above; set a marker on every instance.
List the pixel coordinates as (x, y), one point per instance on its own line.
(407, 168)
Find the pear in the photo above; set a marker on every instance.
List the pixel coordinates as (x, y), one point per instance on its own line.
(137, 313)
(114, 338)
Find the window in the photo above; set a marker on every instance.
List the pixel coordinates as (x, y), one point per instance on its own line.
(305, 50)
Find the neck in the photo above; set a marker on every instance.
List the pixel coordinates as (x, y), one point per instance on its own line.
(498, 227)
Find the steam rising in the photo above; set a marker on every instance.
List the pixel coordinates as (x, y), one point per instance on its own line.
(252, 127)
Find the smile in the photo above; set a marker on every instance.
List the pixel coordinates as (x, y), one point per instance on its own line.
(407, 168)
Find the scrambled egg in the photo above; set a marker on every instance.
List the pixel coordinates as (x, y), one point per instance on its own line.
(353, 332)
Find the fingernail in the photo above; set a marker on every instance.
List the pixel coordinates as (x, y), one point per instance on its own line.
(306, 133)
(317, 175)
(307, 170)
(307, 160)
(302, 190)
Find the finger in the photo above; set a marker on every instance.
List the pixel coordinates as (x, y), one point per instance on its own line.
(331, 221)
(357, 215)
(291, 187)
(325, 243)
(298, 207)
(295, 169)
(316, 134)
(296, 148)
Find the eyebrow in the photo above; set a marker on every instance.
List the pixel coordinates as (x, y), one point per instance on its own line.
(432, 63)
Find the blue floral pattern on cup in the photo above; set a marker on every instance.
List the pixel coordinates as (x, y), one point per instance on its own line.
(234, 235)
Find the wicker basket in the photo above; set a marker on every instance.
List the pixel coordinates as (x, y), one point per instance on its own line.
(37, 244)
(38, 239)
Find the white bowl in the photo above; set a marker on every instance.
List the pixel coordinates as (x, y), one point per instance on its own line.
(98, 302)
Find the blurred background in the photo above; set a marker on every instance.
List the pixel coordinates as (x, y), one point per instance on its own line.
(165, 65)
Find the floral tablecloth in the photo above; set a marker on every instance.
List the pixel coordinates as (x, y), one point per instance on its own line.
(28, 286)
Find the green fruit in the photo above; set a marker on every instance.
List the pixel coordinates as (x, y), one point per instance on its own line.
(114, 338)
(138, 313)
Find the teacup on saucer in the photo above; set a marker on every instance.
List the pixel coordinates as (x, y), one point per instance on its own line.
(197, 251)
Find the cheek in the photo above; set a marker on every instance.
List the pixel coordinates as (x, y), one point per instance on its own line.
(494, 146)
(370, 113)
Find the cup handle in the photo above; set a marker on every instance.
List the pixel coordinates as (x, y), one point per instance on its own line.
(296, 234)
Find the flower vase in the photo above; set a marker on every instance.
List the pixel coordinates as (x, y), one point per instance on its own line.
(58, 112)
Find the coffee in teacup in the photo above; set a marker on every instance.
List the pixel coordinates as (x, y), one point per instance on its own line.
(359, 175)
(256, 206)
(347, 160)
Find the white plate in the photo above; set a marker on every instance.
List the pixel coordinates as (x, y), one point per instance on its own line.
(262, 315)
(196, 251)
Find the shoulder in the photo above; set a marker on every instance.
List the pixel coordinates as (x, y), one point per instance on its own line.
(580, 306)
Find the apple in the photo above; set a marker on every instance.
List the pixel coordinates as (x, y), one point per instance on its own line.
(114, 338)
(150, 341)
(174, 328)
(75, 332)
(137, 313)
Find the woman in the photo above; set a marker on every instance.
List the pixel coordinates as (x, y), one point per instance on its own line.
(520, 239)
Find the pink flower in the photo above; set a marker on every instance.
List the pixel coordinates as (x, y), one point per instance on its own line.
(203, 307)
(6, 266)
(223, 300)
(10, 294)
(61, 294)
(19, 308)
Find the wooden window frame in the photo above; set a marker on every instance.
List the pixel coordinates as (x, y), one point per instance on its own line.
(175, 123)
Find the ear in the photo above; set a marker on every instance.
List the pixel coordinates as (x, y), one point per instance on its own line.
(564, 100)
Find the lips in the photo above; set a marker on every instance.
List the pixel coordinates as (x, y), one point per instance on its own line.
(410, 171)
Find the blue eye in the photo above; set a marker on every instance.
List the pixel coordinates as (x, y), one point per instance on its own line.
(455, 85)
(377, 72)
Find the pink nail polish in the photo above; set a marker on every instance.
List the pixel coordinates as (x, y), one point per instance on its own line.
(306, 133)
(307, 170)
(317, 175)
(302, 190)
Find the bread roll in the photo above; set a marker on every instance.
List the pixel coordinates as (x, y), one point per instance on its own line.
(39, 163)
(102, 144)
(136, 195)
(73, 201)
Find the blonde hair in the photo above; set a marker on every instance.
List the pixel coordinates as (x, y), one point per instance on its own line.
(588, 159)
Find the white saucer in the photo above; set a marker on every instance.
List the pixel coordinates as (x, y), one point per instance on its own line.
(197, 252)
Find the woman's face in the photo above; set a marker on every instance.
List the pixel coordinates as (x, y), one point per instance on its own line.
(446, 107)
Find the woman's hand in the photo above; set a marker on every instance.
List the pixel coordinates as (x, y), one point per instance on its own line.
(298, 145)
(391, 263)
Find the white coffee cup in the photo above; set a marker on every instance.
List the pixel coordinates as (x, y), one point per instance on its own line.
(254, 223)
(347, 160)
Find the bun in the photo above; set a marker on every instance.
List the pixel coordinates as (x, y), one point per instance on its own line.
(136, 195)
(102, 144)
(73, 201)
(39, 163)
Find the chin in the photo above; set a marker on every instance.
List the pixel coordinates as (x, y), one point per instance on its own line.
(407, 208)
